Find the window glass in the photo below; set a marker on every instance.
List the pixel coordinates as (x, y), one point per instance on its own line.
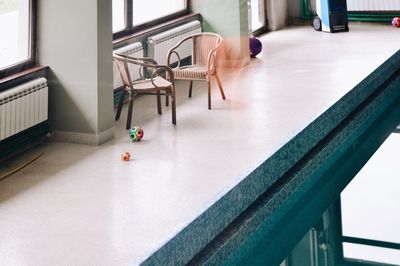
(118, 13)
(370, 203)
(371, 253)
(14, 32)
(148, 10)
(370, 206)
(257, 14)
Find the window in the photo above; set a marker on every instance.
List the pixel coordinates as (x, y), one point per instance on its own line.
(257, 15)
(145, 11)
(16, 33)
(118, 13)
(130, 16)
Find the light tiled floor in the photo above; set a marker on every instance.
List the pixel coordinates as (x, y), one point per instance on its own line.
(81, 205)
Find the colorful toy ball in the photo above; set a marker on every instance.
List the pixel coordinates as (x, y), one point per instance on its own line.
(396, 22)
(136, 133)
(126, 156)
(255, 46)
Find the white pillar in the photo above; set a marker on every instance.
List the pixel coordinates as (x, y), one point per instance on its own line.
(75, 41)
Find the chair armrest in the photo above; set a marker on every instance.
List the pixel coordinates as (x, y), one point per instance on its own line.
(136, 60)
(173, 51)
(211, 57)
(144, 63)
(149, 64)
(159, 69)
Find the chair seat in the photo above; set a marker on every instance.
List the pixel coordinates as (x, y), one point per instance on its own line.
(147, 85)
(155, 86)
(191, 72)
(203, 61)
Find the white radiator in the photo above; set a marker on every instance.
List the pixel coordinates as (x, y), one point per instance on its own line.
(373, 5)
(23, 107)
(158, 45)
(134, 49)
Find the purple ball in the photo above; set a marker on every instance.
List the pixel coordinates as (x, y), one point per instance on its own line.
(255, 46)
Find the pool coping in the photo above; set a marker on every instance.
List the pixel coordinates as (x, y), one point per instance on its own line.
(183, 247)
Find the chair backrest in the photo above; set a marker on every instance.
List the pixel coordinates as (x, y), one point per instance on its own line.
(123, 70)
(203, 44)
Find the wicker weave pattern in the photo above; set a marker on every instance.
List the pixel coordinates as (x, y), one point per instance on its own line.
(204, 57)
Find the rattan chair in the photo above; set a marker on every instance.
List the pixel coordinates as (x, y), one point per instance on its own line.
(203, 65)
(151, 82)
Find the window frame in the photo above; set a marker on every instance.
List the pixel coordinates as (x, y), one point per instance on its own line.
(31, 61)
(263, 29)
(130, 29)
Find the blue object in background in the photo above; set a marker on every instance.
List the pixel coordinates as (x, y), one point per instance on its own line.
(331, 16)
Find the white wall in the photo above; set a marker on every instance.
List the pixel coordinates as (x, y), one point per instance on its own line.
(75, 41)
(277, 11)
(294, 10)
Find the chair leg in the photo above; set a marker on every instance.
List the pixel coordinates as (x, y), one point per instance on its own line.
(130, 110)
(219, 85)
(190, 88)
(120, 104)
(173, 103)
(209, 94)
(159, 103)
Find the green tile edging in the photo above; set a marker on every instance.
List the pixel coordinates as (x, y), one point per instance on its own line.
(182, 248)
(303, 199)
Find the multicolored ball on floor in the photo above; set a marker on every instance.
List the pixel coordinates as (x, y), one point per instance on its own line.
(136, 133)
(396, 22)
(126, 156)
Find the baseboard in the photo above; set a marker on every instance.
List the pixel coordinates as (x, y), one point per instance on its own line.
(299, 21)
(23, 141)
(83, 138)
